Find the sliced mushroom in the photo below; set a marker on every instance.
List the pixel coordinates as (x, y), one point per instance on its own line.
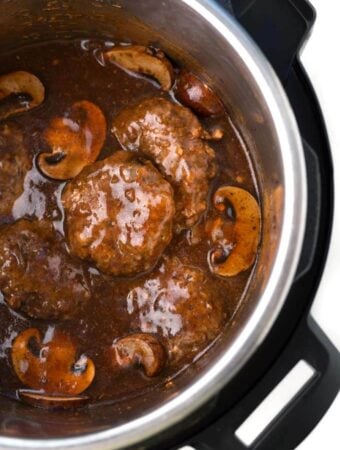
(21, 82)
(238, 239)
(144, 60)
(51, 365)
(195, 94)
(41, 400)
(75, 141)
(140, 349)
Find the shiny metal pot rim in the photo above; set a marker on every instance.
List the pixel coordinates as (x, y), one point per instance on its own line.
(280, 279)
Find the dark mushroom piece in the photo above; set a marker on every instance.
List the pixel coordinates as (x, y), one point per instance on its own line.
(141, 349)
(75, 141)
(237, 241)
(54, 402)
(21, 82)
(144, 60)
(197, 95)
(51, 366)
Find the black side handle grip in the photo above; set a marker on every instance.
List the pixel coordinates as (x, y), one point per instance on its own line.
(278, 27)
(297, 419)
(313, 211)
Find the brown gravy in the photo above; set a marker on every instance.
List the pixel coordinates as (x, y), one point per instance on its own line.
(73, 71)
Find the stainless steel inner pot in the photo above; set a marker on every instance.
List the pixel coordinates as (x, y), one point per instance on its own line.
(199, 34)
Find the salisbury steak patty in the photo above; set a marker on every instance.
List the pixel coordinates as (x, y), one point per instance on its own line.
(177, 301)
(14, 164)
(37, 276)
(171, 136)
(119, 214)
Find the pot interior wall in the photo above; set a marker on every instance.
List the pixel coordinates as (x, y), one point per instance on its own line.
(189, 40)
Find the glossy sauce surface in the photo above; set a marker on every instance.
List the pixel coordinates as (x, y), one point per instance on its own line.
(178, 300)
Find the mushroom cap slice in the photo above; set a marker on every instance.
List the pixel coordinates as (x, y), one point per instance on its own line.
(144, 60)
(75, 140)
(45, 401)
(239, 241)
(197, 95)
(51, 366)
(21, 82)
(140, 349)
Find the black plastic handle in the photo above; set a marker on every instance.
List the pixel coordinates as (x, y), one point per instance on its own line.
(314, 211)
(279, 27)
(295, 422)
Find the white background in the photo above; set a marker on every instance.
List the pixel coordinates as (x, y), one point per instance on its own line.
(321, 58)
